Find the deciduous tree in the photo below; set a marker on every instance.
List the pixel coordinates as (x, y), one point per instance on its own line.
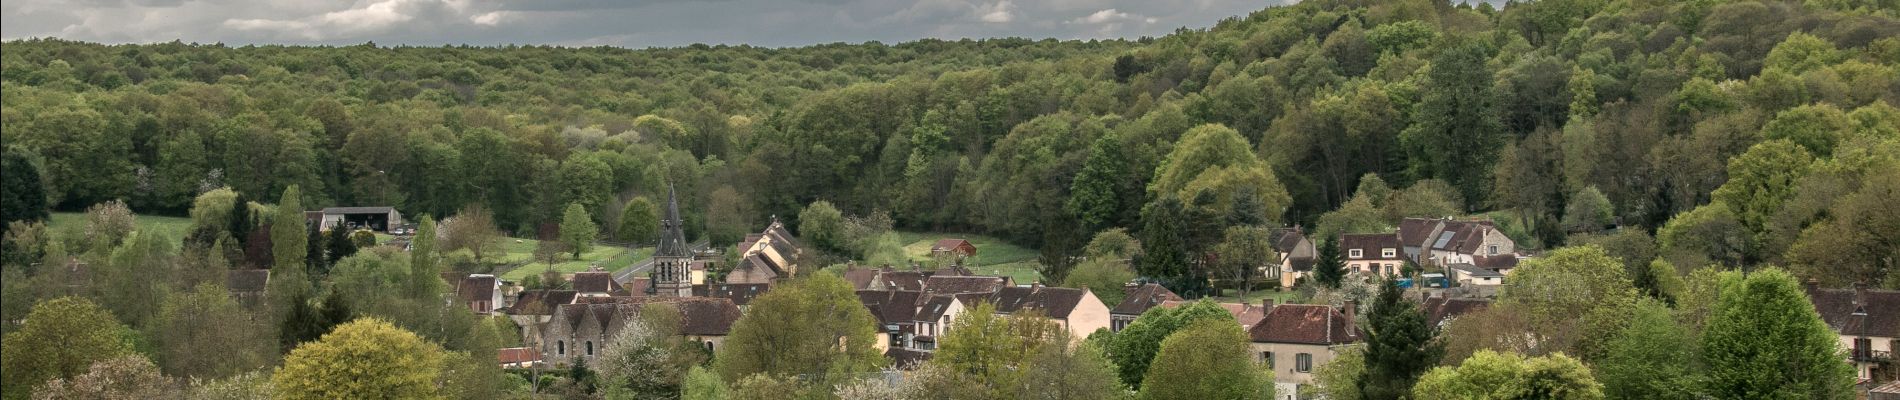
(1207, 359)
(61, 338)
(1764, 339)
(364, 358)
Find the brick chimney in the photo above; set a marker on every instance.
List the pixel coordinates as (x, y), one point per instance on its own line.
(1349, 309)
(1813, 285)
(1266, 306)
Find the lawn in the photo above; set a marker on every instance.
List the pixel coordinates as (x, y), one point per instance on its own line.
(1232, 296)
(607, 257)
(993, 256)
(174, 227)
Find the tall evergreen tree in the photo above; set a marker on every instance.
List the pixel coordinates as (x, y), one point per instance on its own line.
(314, 254)
(339, 245)
(1764, 340)
(1329, 269)
(1457, 134)
(1399, 346)
(242, 220)
(22, 195)
(1164, 249)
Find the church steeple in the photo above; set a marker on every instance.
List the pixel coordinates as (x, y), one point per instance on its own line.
(672, 258)
(672, 237)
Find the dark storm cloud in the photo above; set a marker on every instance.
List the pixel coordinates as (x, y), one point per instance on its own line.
(637, 23)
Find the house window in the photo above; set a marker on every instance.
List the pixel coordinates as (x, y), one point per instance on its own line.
(1303, 363)
(1266, 357)
(1356, 253)
(709, 346)
(1389, 253)
(1863, 348)
(590, 347)
(1493, 250)
(560, 347)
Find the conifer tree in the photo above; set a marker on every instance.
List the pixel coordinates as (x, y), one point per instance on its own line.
(1329, 269)
(1399, 346)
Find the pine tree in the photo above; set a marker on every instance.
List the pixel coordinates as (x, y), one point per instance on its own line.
(314, 256)
(1164, 250)
(1330, 268)
(242, 221)
(1399, 346)
(339, 244)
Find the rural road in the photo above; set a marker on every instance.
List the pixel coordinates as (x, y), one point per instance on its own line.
(626, 274)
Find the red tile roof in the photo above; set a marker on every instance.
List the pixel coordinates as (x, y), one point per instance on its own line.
(957, 245)
(516, 355)
(1304, 324)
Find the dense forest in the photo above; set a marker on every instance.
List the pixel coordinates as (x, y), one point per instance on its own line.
(1673, 136)
(1741, 133)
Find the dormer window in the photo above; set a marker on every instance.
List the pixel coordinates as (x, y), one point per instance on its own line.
(1493, 250)
(1356, 253)
(1389, 253)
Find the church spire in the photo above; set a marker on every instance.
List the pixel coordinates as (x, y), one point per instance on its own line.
(672, 238)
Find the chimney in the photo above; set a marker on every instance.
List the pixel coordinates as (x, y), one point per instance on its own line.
(1813, 285)
(1350, 307)
(1860, 294)
(1266, 306)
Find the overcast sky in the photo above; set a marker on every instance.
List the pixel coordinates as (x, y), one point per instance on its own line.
(629, 23)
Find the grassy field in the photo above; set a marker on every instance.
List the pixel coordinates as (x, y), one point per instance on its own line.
(174, 227)
(993, 256)
(608, 257)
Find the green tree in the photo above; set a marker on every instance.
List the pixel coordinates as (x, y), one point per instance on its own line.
(727, 217)
(22, 196)
(59, 339)
(205, 334)
(1588, 211)
(1339, 379)
(578, 230)
(1066, 372)
(702, 384)
(991, 350)
(1761, 179)
(1244, 251)
(647, 359)
(640, 221)
(1399, 345)
(1764, 340)
(813, 328)
(1104, 277)
(366, 358)
(1493, 375)
(1456, 131)
(1206, 360)
(822, 225)
(1650, 358)
(339, 245)
(1102, 195)
(473, 229)
(289, 279)
(1330, 268)
(1359, 215)
(1816, 127)
(1135, 346)
(425, 267)
(1216, 160)
(1710, 233)
(1574, 299)
(1801, 52)
(1112, 244)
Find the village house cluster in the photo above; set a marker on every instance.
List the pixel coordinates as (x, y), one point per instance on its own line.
(1457, 266)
